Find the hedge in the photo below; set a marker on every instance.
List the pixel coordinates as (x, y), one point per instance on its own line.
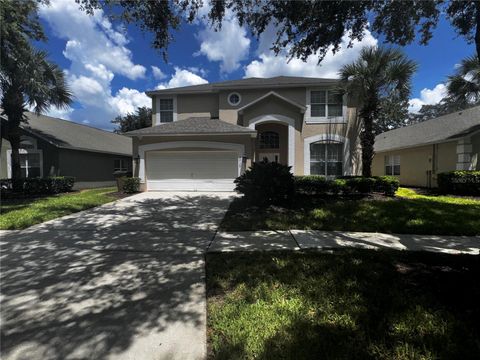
(459, 182)
(38, 186)
(319, 185)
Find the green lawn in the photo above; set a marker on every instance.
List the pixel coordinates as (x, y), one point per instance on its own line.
(408, 213)
(346, 304)
(22, 213)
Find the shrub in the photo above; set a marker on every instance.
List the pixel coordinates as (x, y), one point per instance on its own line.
(386, 184)
(459, 182)
(131, 185)
(266, 183)
(346, 185)
(37, 186)
(311, 184)
(362, 185)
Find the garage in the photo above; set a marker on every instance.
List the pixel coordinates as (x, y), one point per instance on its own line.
(204, 170)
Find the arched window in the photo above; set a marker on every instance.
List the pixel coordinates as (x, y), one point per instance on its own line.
(326, 158)
(269, 140)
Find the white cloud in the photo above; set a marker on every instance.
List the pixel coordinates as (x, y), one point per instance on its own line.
(269, 65)
(98, 52)
(127, 100)
(428, 97)
(157, 73)
(230, 45)
(182, 77)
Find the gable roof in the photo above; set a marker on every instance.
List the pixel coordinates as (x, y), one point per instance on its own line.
(273, 93)
(193, 126)
(248, 83)
(70, 135)
(443, 128)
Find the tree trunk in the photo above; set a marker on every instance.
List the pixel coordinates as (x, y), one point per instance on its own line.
(367, 136)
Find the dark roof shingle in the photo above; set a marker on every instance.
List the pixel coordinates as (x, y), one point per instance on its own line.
(278, 81)
(431, 131)
(193, 125)
(70, 135)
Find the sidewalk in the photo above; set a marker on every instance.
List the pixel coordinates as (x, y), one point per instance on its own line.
(315, 239)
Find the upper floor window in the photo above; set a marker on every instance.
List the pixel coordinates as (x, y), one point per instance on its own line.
(234, 99)
(269, 140)
(326, 103)
(392, 165)
(166, 110)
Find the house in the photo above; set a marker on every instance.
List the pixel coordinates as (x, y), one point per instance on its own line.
(202, 137)
(56, 147)
(417, 153)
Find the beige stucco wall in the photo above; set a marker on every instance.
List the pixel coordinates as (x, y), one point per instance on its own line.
(216, 104)
(416, 162)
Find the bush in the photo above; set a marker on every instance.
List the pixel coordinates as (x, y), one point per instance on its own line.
(362, 185)
(266, 183)
(387, 185)
(131, 185)
(311, 184)
(37, 186)
(346, 185)
(459, 182)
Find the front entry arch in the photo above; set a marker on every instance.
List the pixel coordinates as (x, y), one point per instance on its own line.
(277, 118)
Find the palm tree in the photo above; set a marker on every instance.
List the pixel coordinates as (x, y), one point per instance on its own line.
(378, 74)
(464, 86)
(28, 80)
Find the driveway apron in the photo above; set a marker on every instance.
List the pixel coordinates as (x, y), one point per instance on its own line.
(122, 281)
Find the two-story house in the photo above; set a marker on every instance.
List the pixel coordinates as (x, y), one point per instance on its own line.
(202, 137)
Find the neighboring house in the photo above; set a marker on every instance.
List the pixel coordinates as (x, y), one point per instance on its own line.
(51, 147)
(204, 136)
(417, 153)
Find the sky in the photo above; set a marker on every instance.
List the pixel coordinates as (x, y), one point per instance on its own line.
(109, 65)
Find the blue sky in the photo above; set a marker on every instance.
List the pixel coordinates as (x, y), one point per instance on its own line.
(109, 66)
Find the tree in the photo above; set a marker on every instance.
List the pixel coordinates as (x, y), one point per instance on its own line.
(464, 86)
(141, 118)
(27, 78)
(463, 91)
(377, 75)
(305, 27)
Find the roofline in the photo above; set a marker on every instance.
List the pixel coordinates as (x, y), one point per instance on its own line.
(251, 133)
(32, 132)
(421, 144)
(273, 93)
(216, 87)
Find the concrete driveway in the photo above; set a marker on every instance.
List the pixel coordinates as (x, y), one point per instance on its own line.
(121, 281)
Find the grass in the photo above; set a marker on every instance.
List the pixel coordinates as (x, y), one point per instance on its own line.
(22, 213)
(408, 213)
(346, 304)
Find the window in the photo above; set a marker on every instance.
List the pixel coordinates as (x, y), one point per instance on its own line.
(31, 159)
(269, 140)
(234, 99)
(392, 165)
(326, 159)
(166, 110)
(326, 103)
(30, 165)
(120, 165)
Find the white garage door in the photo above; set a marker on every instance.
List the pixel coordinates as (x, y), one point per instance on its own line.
(191, 170)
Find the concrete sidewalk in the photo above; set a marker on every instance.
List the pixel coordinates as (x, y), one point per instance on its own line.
(315, 239)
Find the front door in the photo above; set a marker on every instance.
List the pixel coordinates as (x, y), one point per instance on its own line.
(271, 157)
